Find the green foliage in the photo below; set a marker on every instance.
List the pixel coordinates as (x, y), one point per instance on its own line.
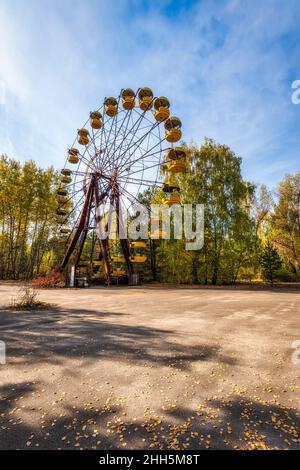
(213, 178)
(238, 223)
(270, 262)
(285, 222)
(27, 219)
(174, 262)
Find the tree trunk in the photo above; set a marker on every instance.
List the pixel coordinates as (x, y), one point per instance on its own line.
(153, 259)
(195, 265)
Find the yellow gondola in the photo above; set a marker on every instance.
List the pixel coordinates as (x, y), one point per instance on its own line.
(118, 259)
(128, 99)
(172, 200)
(96, 120)
(62, 199)
(84, 263)
(110, 106)
(176, 153)
(176, 160)
(118, 273)
(158, 234)
(138, 259)
(83, 136)
(173, 132)
(66, 179)
(61, 192)
(61, 211)
(170, 186)
(138, 245)
(145, 99)
(66, 172)
(97, 263)
(62, 239)
(177, 166)
(156, 217)
(73, 156)
(161, 106)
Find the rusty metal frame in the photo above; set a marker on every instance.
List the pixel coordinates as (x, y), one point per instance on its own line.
(92, 196)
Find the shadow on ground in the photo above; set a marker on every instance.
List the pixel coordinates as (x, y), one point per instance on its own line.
(236, 423)
(53, 335)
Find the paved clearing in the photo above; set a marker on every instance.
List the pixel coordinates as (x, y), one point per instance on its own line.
(151, 368)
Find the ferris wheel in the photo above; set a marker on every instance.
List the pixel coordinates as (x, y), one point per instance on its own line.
(117, 154)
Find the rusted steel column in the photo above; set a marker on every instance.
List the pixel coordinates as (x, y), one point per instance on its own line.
(103, 242)
(123, 241)
(85, 209)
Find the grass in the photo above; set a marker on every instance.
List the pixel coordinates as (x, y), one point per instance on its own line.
(27, 300)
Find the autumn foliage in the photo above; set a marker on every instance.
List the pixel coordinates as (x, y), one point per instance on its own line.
(52, 279)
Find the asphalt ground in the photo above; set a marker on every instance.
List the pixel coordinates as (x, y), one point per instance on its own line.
(151, 368)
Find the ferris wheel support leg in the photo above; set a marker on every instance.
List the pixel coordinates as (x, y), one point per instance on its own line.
(81, 244)
(103, 242)
(84, 231)
(86, 208)
(121, 229)
(72, 276)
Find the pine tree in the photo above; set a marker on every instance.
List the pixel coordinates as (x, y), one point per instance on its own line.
(270, 262)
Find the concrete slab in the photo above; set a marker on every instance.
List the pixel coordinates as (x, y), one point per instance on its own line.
(153, 368)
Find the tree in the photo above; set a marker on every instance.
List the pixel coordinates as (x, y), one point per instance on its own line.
(214, 179)
(27, 218)
(270, 262)
(146, 198)
(285, 222)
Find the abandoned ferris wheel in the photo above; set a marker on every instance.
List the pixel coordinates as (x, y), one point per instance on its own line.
(117, 153)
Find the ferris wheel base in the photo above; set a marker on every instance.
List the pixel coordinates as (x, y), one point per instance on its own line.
(133, 279)
(85, 281)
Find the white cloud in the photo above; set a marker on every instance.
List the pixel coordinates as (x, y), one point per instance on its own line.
(221, 64)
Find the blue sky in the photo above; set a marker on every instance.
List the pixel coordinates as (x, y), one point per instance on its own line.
(226, 66)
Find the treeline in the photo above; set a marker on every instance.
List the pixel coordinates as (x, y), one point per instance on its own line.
(27, 219)
(249, 233)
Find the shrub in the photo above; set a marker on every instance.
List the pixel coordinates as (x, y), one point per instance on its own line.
(270, 262)
(52, 279)
(27, 300)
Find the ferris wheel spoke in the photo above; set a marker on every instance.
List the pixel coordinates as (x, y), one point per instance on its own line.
(133, 199)
(107, 160)
(133, 131)
(129, 196)
(148, 168)
(140, 147)
(100, 150)
(114, 119)
(69, 185)
(145, 182)
(140, 140)
(94, 143)
(134, 125)
(71, 197)
(138, 159)
(76, 206)
(91, 159)
(141, 180)
(126, 116)
(111, 162)
(104, 133)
